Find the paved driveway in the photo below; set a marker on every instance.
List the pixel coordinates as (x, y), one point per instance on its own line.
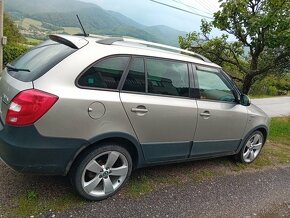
(274, 107)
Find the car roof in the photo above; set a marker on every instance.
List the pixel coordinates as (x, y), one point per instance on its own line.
(134, 47)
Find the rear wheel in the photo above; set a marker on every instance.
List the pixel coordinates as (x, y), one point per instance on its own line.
(101, 172)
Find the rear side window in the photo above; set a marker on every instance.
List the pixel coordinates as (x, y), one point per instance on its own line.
(105, 74)
(167, 77)
(135, 80)
(39, 60)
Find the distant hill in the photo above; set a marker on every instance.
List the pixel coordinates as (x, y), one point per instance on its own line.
(46, 17)
(45, 6)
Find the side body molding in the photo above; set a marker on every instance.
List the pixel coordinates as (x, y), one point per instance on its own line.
(110, 136)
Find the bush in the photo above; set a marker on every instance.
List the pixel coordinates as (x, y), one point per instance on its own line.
(272, 91)
(11, 52)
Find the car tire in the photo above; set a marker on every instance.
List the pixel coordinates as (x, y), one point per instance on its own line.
(252, 148)
(101, 172)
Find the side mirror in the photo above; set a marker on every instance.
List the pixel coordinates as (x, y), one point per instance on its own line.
(245, 100)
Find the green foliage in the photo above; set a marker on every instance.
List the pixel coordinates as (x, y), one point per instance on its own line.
(262, 26)
(272, 91)
(32, 196)
(14, 48)
(11, 52)
(11, 31)
(271, 85)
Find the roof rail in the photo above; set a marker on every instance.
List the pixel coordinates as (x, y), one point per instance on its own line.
(111, 40)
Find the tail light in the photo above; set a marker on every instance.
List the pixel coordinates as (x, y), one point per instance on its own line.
(29, 106)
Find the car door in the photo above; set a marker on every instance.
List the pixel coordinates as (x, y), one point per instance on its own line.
(221, 120)
(156, 98)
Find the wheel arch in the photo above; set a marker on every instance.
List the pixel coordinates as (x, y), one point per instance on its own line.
(125, 140)
(262, 128)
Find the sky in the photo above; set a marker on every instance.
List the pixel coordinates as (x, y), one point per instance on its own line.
(151, 13)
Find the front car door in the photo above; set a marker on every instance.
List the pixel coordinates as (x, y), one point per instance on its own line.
(156, 98)
(221, 120)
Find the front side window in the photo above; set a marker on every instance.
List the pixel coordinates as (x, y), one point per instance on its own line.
(213, 86)
(167, 77)
(105, 74)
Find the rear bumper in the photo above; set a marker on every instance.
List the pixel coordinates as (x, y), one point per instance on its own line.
(25, 150)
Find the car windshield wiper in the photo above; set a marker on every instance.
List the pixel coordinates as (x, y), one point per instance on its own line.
(12, 68)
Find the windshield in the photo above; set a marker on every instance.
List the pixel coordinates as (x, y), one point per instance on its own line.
(38, 61)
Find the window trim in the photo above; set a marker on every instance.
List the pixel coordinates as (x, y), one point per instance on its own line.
(146, 77)
(96, 62)
(229, 79)
(125, 74)
(191, 66)
(223, 78)
(165, 59)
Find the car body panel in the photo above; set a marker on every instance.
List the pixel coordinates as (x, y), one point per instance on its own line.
(169, 125)
(171, 131)
(227, 121)
(9, 88)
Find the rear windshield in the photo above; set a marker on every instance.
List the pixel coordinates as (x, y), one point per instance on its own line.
(39, 60)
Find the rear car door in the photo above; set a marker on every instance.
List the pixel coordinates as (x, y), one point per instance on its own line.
(221, 120)
(156, 98)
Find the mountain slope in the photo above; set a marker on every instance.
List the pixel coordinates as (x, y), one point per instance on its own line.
(62, 13)
(44, 6)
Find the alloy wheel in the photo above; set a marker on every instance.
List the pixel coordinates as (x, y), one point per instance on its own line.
(105, 173)
(253, 148)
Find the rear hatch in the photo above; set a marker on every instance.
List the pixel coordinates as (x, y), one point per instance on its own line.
(9, 88)
(19, 75)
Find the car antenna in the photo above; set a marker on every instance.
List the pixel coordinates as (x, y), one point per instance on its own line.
(83, 29)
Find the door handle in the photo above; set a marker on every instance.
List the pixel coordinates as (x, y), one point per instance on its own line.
(205, 114)
(139, 110)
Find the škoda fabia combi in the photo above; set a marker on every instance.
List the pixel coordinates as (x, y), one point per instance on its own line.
(95, 108)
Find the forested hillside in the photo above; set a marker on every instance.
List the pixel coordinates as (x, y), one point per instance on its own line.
(38, 18)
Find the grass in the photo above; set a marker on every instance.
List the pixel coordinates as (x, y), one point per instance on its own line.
(72, 30)
(139, 186)
(32, 41)
(27, 23)
(201, 175)
(31, 204)
(280, 130)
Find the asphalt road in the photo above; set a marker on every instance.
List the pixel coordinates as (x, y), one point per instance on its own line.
(274, 107)
(253, 194)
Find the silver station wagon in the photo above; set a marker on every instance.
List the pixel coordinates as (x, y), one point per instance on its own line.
(94, 108)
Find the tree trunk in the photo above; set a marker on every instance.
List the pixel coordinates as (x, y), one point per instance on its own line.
(248, 80)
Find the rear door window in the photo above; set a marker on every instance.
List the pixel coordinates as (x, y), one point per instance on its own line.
(167, 77)
(39, 60)
(105, 74)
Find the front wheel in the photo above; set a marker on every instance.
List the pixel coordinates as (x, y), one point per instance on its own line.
(101, 172)
(252, 148)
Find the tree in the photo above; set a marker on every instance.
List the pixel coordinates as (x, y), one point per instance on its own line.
(11, 31)
(14, 47)
(261, 26)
